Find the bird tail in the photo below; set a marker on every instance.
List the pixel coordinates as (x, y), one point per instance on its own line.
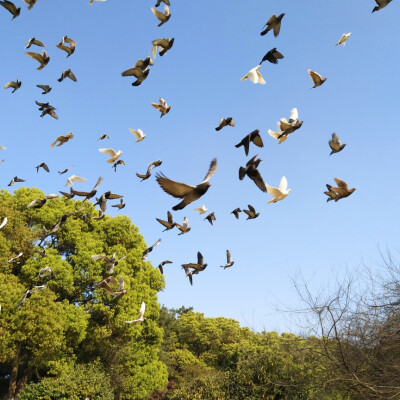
(242, 173)
(218, 128)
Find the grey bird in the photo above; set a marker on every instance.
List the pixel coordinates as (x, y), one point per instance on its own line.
(210, 218)
(196, 267)
(236, 212)
(274, 23)
(381, 4)
(225, 122)
(272, 56)
(149, 168)
(34, 41)
(163, 1)
(14, 180)
(120, 205)
(335, 144)
(138, 73)
(164, 44)
(13, 84)
(43, 59)
(64, 170)
(251, 212)
(229, 261)
(251, 170)
(119, 162)
(39, 203)
(186, 192)
(161, 265)
(88, 195)
(42, 165)
(184, 228)
(251, 137)
(150, 249)
(67, 74)
(46, 88)
(168, 224)
(29, 292)
(342, 190)
(11, 7)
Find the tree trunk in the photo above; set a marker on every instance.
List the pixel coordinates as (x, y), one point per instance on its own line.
(13, 379)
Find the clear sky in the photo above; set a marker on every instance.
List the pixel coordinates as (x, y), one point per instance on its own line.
(216, 43)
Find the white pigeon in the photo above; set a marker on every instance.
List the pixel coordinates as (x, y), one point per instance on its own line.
(277, 135)
(201, 209)
(280, 193)
(138, 134)
(343, 39)
(5, 220)
(74, 178)
(141, 317)
(254, 76)
(112, 153)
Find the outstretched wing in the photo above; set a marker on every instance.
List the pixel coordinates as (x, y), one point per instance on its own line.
(175, 189)
(283, 184)
(211, 170)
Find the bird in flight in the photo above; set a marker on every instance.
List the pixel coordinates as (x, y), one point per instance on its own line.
(67, 74)
(168, 224)
(13, 84)
(141, 316)
(225, 122)
(164, 44)
(251, 170)
(251, 212)
(161, 265)
(274, 23)
(341, 191)
(14, 180)
(186, 192)
(42, 165)
(152, 165)
(236, 212)
(280, 193)
(112, 153)
(34, 41)
(11, 7)
(163, 17)
(139, 73)
(210, 218)
(251, 137)
(184, 228)
(272, 56)
(163, 107)
(317, 79)
(380, 4)
(43, 59)
(285, 127)
(229, 261)
(138, 134)
(62, 139)
(150, 249)
(196, 267)
(335, 144)
(201, 209)
(39, 203)
(343, 39)
(46, 88)
(254, 76)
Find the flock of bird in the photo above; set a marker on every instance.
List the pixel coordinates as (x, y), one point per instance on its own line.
(185, 192)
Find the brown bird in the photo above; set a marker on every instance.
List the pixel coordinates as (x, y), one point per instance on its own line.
(62, 139)
(196, 267)
(119, 162)
(229, 261)
(186, 192)
(46, 108)
(30, 3)
(164, 44)
(104, 136)
(164, 1)
(11, 7)
(42, 59)
(15, 179)
(34, 41)
(163, 17)
(210, 218)
(149, 168)
(121, 204)
(39, 203)
(335, 144)
(251, 212)
(104, 284)
(67, 74)
(274, 23)
(342, 190)
(236, 212)
(160, 266)
(111, 262)
(225, 122)
(168, 224)
(46, 88)
(143, 64)
(150, 249)
(184, 228)
(68, 49)
(163, 107)
(138, 73)
(14, 84)
(331, 194)
(68, 40)
(272, 56)
(251, 170)
(251, 137)
(381, 4)
(42, 165)
(88, 195)
(317, 79)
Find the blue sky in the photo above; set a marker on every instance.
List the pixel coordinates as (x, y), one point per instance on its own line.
(216, 43)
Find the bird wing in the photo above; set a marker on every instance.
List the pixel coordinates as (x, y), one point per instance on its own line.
(110, 152)
(54, 143)
(5, 220)
(142, 310)
(260, 78)
(160, 42)
(277, 54)
(277, 28)
(271, 20)
(316, 78)
(138, 134)
(341, 184)
(65, 48)
(335, 138)
(255, 175)
(256, 139)
(9, 6)
(294, 114)
(35, 56)
(135, 71)
(97, 183)
(283, 184)
(211, 170)
(10, 84)
(200, 259)
(158, 14)
(156, 243)
(72, 76)
(121, 285)
(185, 222)
(228, 257)
(274, 192)
(175, 189)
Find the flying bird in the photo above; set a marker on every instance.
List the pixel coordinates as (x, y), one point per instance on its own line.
(164, 44)
(120, 205)
(210, 218)
(141, 316)
(74, 178)
(342, 190)
(274, 23)
(149, 168)
(150, 249)
(68, 40)
(380, 4)
(42, 165)
(118, 162)
(39, 203)
(225, 122)
(43, 59)
(46, 88)
(251, 137)
(317, 79)
(343, 39)
(67, 74)
(64, 170)
(16, 257)
(30, 3)
(163, 107)
(138, 134)
(112, 153)
(104, 284)
(236, 212)
(11, 7)
(285, 127)
(254, 76)
(168, 224)
(13, 84)
(272, 56)
(143, 64)
(280, 193)
(201, 209)
(186, 192)
(184, 228)
(251, 170)
(28, 293)
(229, 261)
(4, 222)
(251, 212)
(138, 73)
(34, 41)
(88, 195)
(161, 265)
(111, 262)
(104, 136)
(196, 267)
(68, 49)
(62, 139)
(163, 17)
(335, 144)
(14, 180)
